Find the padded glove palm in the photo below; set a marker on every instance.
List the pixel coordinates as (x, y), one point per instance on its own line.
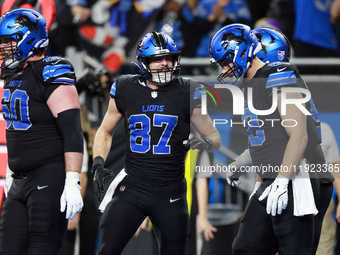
(200, 143)
(99, 175)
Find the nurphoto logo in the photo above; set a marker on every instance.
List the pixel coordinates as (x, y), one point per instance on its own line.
(238, 100)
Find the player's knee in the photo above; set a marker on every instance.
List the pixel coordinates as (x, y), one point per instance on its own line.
(110, 249)
(46, 223)
(172, 247)
(242, 247)
(239, 246)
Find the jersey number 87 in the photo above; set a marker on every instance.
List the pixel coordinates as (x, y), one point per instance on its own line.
(140, 126)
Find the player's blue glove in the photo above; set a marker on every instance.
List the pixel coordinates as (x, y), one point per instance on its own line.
(200, 143)
(71, 197)
(277, 193)
(99, 175)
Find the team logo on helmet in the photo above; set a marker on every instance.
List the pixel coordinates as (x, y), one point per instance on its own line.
(23, 21)
(229, 38)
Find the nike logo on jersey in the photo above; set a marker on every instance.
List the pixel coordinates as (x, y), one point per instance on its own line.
(174, 200)
(41, 187)
(281, 69)
(153, 108)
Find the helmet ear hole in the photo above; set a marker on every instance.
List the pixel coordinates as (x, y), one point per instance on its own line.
(31, 41)
(243, 53)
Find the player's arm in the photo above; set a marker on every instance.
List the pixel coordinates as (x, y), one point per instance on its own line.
(277, 192)
(65, 107)
(103, 139)
(74, 223)
(234, 168)
(298, 136)
(102, 145)
(204, 125)
(204, 226)
(335, 12)
(84, 169)
(336, 185)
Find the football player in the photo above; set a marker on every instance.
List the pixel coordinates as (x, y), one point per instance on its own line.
(275, 217)
(44, 138)
(275, 47)
(157, 106)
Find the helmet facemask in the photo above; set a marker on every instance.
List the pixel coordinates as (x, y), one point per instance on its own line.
(162, 76)
(235, 72)
(8, 47)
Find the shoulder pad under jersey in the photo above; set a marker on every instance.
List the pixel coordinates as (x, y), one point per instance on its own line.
(58, 70)
(282, 75)
(121, 81)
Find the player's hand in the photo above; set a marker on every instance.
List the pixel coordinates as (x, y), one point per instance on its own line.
(234, 174)
(337, 213)
(8, 181)
(277, 194)
(74, 223)
(257, 185)
(143, 226)
(71, 197)
(234, 168)
(80, 13)
(200, 143)
(205, 228)
(233, 181)
(99, 174)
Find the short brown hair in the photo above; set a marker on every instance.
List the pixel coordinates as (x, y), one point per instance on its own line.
(40, 51)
